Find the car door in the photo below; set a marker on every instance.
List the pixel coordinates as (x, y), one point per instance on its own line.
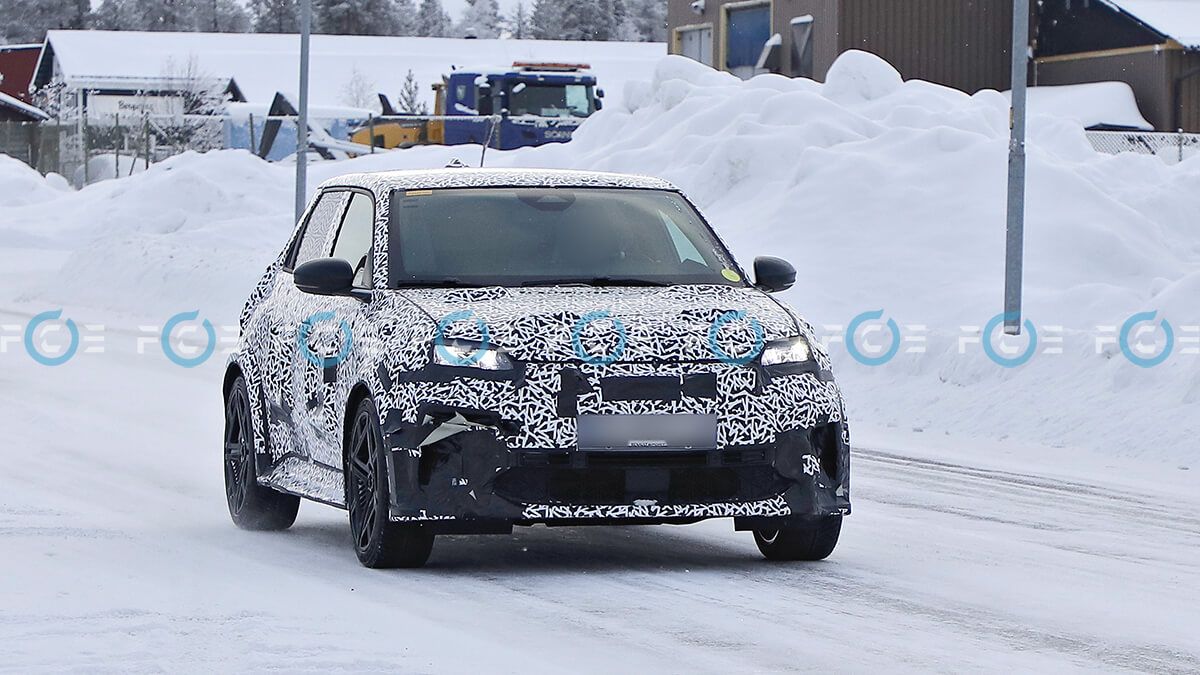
(326, 332)
(285, 310)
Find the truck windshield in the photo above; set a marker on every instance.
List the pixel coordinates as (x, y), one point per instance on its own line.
(550, 100)
(552, 236)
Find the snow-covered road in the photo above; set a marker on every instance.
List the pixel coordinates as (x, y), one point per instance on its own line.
(118, 555)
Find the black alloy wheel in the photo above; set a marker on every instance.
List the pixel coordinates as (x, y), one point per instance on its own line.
(378, 542)
(251, 506)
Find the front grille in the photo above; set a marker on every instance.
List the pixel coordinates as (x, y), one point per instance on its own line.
(605, 484)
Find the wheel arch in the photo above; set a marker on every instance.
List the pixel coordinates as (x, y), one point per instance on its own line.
(358, 393)
(232, 372)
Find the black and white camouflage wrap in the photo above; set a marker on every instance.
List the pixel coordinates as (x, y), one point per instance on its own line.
(299, 410)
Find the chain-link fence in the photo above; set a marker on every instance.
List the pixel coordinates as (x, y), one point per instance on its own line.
(1171, 147)
(112, 146)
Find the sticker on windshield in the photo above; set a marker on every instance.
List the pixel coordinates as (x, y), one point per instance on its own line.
(731, 275)
(418, 193)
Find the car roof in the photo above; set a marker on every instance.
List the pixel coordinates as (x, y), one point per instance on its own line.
(386, 181)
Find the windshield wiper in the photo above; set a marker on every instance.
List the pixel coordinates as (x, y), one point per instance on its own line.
(449, 282)
(595, 281)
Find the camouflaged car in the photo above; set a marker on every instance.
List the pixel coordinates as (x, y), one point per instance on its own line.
(464, 350)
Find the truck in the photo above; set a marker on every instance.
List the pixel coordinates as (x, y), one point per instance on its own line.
(529, 104)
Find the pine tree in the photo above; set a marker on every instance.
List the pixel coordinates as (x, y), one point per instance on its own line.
(481, 19)
(405, 13)
(118, 15)
(518, 23)
(220, 16)
(645, 21)
(26, 21)
(409, 100)
(167, 15)
(545, 21)
(275, 16)
(356, 17)
(432, 20)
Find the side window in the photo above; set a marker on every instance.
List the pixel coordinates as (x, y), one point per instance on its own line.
(354, 238)
(320, 223)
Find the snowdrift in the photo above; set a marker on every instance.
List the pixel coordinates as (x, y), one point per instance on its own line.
(886, 195)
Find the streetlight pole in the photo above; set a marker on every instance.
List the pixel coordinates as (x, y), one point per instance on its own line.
(1015, 249)
(302, 118)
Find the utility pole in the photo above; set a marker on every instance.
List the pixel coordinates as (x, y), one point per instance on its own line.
(1015, 249)
(302, 118)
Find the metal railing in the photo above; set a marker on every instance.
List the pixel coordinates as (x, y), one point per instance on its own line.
(1170, 147)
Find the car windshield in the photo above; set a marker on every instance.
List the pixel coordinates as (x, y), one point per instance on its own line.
(552, 236)
(550, 100)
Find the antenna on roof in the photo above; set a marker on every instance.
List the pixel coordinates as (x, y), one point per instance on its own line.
(456, 163)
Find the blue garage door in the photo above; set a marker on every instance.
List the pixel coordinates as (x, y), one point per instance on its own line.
(749, 28)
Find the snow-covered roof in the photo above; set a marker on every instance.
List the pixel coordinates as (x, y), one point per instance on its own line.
(17, 104)
(1094, 104)
(345, 69)
(1176, 19)
(465, 178)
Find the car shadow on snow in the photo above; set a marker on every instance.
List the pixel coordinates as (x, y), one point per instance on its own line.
(571, 549)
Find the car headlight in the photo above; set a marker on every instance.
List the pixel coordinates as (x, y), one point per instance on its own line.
(469, 354)
(791, 350)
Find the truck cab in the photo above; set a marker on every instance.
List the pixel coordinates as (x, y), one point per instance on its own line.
(536, 103)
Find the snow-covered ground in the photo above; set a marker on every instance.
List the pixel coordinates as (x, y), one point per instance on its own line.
(1044, 516)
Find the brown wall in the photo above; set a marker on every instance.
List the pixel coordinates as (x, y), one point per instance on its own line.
(964, 44)
(825, 27)
(961, 43)
(1188, 117)
(826, 31)
(1148, 72)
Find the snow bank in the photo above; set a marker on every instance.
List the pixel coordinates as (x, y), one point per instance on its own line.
(21, 185)
(885, 195)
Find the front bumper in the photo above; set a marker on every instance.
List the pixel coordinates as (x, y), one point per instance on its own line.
(505, 446)
(474, 479)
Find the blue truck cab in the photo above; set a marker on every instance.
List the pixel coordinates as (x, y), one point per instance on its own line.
(537, 103)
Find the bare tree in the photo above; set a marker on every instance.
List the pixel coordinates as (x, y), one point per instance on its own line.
(360, 91)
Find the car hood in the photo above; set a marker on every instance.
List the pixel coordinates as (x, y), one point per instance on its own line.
(608, 324)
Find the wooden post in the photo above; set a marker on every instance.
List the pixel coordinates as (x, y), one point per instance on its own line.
(117, 145)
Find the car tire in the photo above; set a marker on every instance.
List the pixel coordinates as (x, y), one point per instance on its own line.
(378, 542)
(251, 506)
(812, 539)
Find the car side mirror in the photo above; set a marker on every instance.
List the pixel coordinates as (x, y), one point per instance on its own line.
(325, 276)
(773, 274)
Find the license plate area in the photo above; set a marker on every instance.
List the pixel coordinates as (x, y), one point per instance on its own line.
(652, 433)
